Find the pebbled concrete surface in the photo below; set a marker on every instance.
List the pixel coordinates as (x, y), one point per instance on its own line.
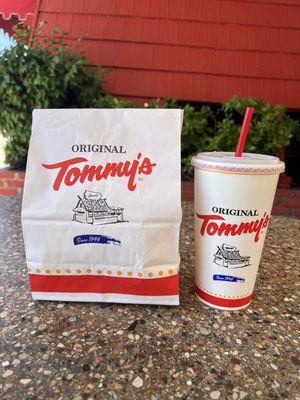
(81, 351)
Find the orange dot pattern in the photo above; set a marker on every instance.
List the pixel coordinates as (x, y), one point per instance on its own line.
(79, 271)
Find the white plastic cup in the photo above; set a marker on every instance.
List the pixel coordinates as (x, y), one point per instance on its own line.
(233, 202)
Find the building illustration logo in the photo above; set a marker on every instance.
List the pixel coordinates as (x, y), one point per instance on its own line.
(93, 209)
(229, 257)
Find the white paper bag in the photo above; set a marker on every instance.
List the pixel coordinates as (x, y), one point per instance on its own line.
(101, 206)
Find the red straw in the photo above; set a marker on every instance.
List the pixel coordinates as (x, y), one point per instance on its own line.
(244, 132)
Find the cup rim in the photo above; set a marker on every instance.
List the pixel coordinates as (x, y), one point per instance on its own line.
(227, 162)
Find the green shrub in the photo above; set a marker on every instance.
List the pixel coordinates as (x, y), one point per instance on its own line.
(50, 74)
(210, 129)
(196, 135)
(271, 128)
(46, 74)
(113, 102)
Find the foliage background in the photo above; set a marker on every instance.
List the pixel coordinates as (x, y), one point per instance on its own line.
(50, 74)
(46, 74)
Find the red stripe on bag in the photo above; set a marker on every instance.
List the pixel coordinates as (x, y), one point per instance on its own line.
(217, 301)
(105, 284)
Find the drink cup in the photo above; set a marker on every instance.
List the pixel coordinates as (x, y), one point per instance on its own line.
(233, 202)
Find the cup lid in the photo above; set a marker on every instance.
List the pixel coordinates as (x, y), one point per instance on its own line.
(249, 162)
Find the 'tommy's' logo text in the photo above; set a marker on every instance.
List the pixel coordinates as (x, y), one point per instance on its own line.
(212, 224)
(77, 169)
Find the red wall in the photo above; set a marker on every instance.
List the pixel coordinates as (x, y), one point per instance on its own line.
(194, 50)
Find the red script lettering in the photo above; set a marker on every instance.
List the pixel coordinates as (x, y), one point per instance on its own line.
(68, 174)
(212, 225)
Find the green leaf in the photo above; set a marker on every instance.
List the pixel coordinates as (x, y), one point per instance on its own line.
(45, 74)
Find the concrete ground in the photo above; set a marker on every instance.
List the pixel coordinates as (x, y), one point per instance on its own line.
(86, 351)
